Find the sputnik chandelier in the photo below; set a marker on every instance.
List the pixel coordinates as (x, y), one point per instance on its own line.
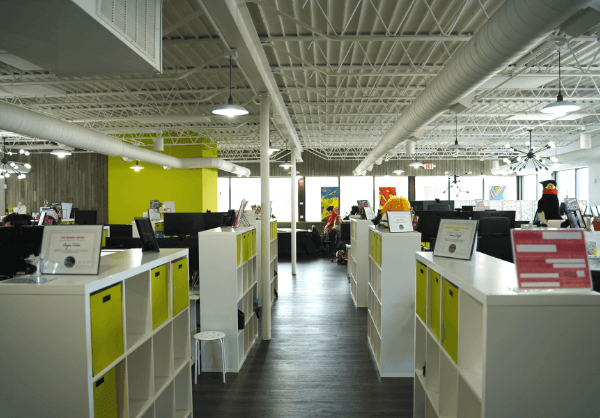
(529, 155)
(9, 163)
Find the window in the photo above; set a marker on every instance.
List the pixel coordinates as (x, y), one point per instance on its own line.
(312, 195)
(353, 189)
(565, 182)
(431, 188)
(222, 194)
(471, 188)
(492, 187)
(245, 188)
(583, 179)
(529, 187)
(399, 182)
(280, 190)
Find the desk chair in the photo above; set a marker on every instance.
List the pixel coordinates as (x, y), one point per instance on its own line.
(494, 238)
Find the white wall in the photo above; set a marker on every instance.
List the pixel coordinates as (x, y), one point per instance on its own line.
(594, 185)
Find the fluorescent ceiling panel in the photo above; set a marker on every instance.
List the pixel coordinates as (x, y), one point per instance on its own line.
(517, 82)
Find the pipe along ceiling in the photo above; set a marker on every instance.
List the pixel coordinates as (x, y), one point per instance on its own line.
(32, 124)
(517, 27)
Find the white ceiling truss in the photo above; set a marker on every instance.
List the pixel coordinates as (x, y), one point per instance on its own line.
(345, 70)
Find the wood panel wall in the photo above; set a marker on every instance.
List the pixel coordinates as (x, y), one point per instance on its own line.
(80, 178)
(314, 166)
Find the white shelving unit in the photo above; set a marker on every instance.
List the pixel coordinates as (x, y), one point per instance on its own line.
(274, 261)
(391, 300)
(491, 352)
(228, 283)
(108, 345)
(358, 261)
(274, 257)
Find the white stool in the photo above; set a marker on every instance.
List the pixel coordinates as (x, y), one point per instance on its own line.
(209, 336)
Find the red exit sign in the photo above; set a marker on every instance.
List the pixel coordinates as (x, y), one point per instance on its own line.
(429, 166)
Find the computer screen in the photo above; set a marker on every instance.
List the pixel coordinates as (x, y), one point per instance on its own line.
(86, 217)
(424, 204)
(429, 222)
(184, 223)
(510, 214)
(213, 220)
(16, 244)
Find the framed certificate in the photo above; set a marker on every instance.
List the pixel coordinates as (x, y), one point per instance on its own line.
(369, 213)
(400, 221)
(74, 248)
(456, 239)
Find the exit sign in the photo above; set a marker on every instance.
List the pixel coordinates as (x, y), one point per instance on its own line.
(429, 166)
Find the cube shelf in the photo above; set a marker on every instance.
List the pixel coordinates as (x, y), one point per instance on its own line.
(482, 343)
(165, 404)
(390, 295)
(225, 288)
(359, 260)
(183, 395)
(128, 383)
(273, 264)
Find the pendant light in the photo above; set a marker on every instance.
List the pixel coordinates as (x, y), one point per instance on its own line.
(287, 164)
(560, 107)
(530, 155)
(60, 153)
(455, 146)
(9, 164)
(230, 109)
(273, 148)
(136, 167)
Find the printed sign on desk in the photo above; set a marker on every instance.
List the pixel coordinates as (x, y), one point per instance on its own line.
(369, 213)
(551, 259)
(73, 249)
(400, 221)
(456, 239)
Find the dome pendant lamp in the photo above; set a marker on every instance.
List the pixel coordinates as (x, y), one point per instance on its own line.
(455, 146)
(230, 109)
(560, 107)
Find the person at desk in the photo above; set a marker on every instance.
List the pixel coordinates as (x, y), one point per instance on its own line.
(332, 220)
(16, 219)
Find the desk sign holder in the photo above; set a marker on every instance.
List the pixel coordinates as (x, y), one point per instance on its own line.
(551, 259)
(456, 239)
(75, 248)
(400, 221)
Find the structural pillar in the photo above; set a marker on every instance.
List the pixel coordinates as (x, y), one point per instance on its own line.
(265, 223)
(294, 206)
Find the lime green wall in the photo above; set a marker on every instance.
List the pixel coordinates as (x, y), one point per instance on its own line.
(129, 193)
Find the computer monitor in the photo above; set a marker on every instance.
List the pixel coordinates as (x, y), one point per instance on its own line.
(429, 222)
(213, 220)
(184, 223)
(144, 227)
(121, 231)
(424, 204)
(16, 244)
(86, 217)
(510, 214)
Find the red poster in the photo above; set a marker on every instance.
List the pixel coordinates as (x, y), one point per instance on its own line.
(551, 259)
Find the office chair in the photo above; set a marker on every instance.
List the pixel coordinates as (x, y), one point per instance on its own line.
(494, 238)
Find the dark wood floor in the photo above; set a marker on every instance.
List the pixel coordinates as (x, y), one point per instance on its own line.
(318, 362)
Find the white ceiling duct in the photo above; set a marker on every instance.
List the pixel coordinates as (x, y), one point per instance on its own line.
(28, 123)
(410, 147)
(515, 28)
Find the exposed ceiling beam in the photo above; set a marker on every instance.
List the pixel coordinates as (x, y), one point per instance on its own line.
(236, 28)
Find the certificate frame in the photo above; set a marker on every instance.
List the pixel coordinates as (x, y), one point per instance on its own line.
(460, 249)
(400, 221)
(87, 236)
(369, 212)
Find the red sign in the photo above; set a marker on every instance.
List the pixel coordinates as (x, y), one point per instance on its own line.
(551, 259)
(429, 166)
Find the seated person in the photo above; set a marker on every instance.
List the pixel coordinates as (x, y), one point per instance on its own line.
(16, 219)
(331, 221)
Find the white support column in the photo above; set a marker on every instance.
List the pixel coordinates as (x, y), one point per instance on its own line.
(294, 206)
(265, 223)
